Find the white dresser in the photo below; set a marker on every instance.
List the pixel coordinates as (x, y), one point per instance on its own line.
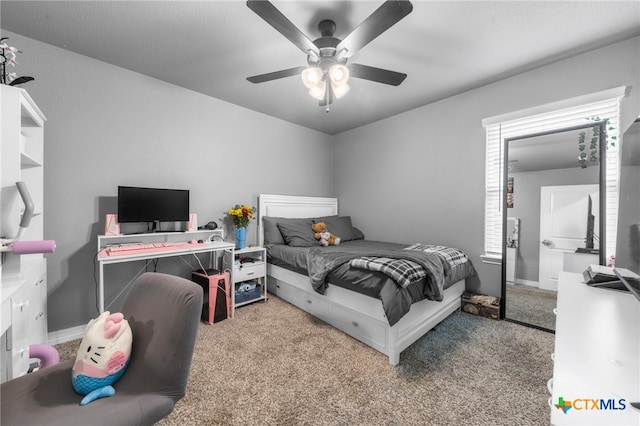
(578, 262)
(597, 355)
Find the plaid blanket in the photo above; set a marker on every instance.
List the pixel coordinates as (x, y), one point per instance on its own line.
(396, 299)
(402, 271)
(321, 261)
(405, 271)
(452, 255)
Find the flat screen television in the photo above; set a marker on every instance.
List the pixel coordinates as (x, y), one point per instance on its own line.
(136, 204)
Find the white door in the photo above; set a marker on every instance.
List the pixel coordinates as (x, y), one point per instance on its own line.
(563, 226)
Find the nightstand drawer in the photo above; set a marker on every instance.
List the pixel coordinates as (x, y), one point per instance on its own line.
(249, 272)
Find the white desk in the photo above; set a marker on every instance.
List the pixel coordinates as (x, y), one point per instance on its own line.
(176, 237)
(597, 354)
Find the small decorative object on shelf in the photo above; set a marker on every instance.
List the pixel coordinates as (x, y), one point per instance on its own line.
(241, 216)
(8, 55)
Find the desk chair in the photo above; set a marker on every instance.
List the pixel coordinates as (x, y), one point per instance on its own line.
(164, 314)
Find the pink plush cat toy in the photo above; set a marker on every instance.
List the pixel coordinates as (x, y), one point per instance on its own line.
(102, 357)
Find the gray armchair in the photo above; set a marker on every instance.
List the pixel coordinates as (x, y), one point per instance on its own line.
(164, 314)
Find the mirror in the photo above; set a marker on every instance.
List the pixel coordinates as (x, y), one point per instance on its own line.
(552, 217)
(628, 241)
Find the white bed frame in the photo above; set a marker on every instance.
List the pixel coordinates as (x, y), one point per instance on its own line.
(358, 315)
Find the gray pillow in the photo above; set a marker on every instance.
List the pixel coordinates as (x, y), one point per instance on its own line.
(297, 234)
(341, 226)
(272, 234)
(358, 234)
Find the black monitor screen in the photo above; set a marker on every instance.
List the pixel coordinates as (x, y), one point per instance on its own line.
(152, 204)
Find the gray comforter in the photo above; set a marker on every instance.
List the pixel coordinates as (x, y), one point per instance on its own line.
(321, 262)
(331, 265)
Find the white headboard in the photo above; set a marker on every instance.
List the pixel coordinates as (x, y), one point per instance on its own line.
(293, 206)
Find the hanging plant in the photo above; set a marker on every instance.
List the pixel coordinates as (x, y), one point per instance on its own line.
(8, 55)
(589, 155)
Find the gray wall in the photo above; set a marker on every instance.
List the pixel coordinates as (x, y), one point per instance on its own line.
(108, 126)
(419, 176)
(527, 207)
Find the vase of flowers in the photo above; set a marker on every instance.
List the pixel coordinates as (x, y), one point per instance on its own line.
(241, 216)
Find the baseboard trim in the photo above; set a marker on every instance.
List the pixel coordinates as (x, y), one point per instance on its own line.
(527, 283)
(66, 335)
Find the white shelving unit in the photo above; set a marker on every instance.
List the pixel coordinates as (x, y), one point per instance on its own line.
(248, 266)
(23, 284)
(596, 355)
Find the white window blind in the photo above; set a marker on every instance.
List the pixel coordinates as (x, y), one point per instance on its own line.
(497, 131)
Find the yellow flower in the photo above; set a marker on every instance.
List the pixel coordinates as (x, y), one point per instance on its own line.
(241, 215)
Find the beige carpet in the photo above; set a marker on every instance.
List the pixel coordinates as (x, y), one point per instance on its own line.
(276, 365)
(531, 305)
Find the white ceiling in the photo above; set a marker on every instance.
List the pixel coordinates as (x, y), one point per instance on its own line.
(445, 47)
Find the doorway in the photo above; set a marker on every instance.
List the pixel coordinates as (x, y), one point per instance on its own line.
(567, 229)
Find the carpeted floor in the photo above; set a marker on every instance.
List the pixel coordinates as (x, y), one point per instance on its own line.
(531, 305)
(276, 365)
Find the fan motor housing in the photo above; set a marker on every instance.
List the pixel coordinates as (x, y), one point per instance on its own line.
(327, 43)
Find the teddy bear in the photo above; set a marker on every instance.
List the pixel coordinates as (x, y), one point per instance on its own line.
(324, 237)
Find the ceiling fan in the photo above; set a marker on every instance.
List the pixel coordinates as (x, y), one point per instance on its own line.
(327, 74)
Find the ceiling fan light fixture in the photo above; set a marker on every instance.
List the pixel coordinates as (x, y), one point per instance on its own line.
(339, 74)
(311, 77)
(341, 54)
(339, 90)
(318, 91)
(327, 76)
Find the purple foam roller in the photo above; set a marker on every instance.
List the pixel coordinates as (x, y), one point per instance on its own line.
(31, 247)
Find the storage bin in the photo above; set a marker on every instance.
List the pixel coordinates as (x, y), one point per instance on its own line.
(478, 304)
(249, 295)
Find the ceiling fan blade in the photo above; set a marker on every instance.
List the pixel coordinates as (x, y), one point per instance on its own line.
(275, 75)
(277, 20)
(378, 75)
(378, 22)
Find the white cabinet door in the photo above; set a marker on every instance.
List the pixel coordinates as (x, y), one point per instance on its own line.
(20, 331)
(28, 317)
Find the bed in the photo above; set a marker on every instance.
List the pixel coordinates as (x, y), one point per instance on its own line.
(333, 284)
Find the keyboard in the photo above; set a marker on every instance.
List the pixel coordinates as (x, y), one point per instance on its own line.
(143, 248)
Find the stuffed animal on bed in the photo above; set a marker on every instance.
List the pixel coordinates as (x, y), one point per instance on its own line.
(102, 357)
(324, 237)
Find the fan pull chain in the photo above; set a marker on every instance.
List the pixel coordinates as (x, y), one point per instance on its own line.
(327, 110)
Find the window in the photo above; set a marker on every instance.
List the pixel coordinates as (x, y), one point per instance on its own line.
(555, 116)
